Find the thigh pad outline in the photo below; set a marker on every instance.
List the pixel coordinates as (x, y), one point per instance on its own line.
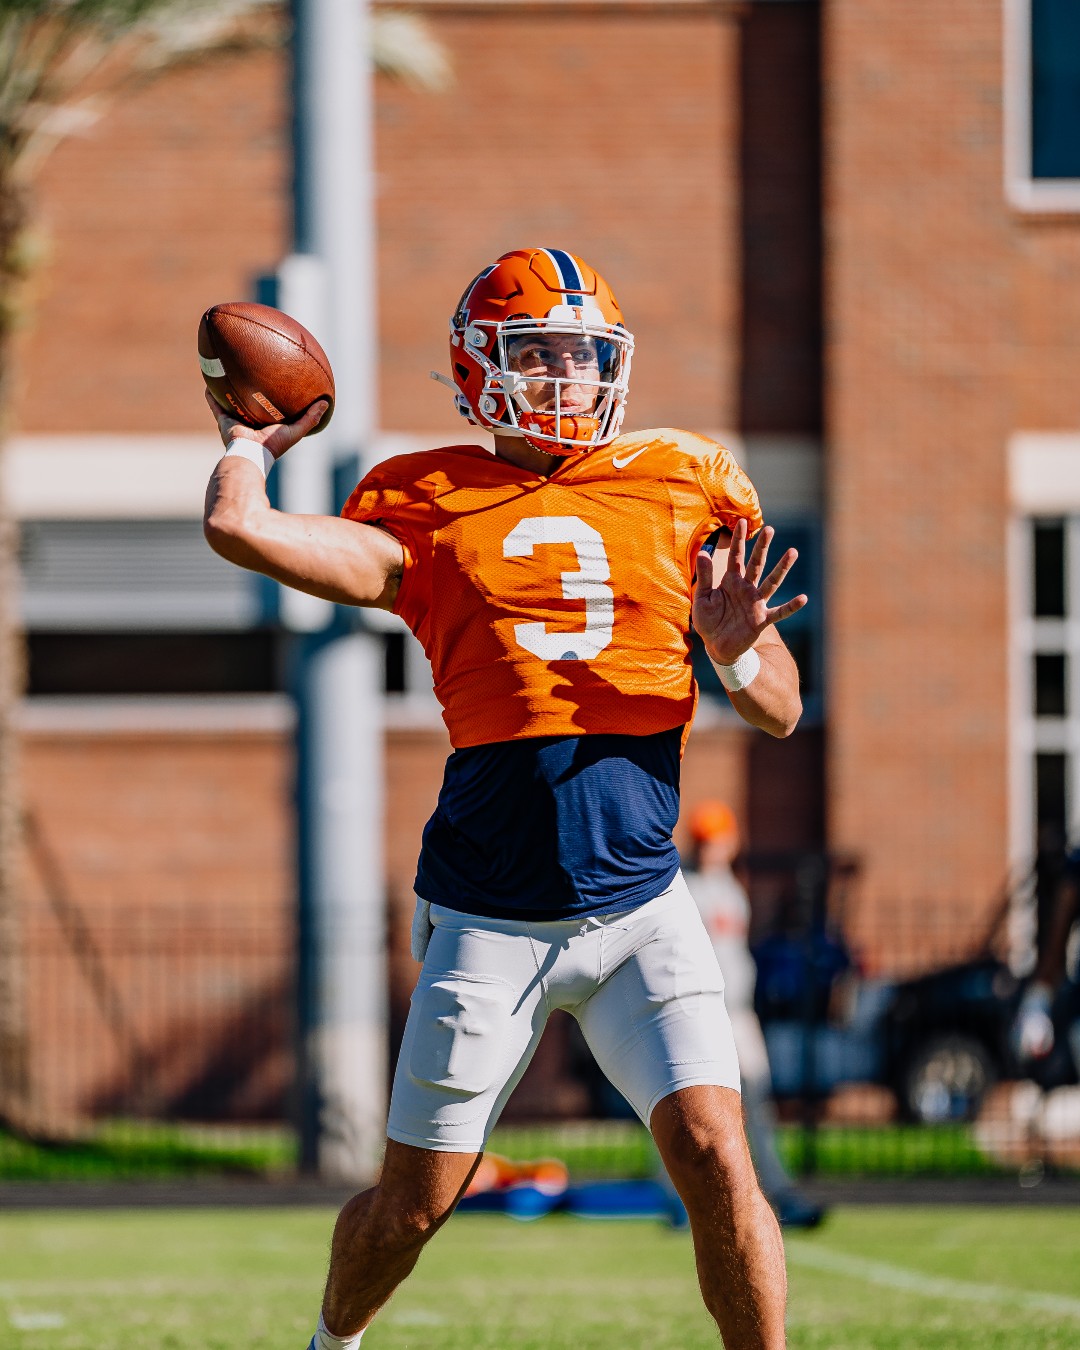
(674, 967)
(462, 1037)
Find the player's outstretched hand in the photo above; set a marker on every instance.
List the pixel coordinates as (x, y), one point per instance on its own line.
(278, 438)
(730, 613)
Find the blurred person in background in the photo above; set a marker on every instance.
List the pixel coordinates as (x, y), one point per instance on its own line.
(1046, 1032)
(551, 584)
(724, 907)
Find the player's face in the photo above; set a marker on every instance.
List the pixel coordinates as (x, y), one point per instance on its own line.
(544, 358)
(718, 852)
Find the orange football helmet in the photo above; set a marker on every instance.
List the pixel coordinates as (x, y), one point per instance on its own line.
(539, 350)
(713, 819)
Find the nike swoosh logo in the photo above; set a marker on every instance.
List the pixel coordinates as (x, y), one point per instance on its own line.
(628, 459)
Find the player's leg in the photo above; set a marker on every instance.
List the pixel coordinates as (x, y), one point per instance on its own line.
(737, 1244)
(659, 1029)
(380, 1233)
(476, 1017)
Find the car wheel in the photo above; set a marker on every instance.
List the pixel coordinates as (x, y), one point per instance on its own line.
(946, 1079)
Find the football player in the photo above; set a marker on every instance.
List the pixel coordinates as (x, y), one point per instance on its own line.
(552, 585)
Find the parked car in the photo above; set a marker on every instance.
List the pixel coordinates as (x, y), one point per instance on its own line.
(939, 1041)
(946, 1038)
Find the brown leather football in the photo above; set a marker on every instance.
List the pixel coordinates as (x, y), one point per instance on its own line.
(261, 366)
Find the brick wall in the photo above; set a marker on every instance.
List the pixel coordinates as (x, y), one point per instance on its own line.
(159, 920)
(689, 174)
(616, 137)
(173, 201)
(609, 130)
(167, 819)
(780, 182)
(160, 911)
(948, 326)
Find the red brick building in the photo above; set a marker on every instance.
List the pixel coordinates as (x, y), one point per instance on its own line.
(952, 405)
(842, 233)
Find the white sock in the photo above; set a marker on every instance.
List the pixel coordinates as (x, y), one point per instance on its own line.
(326, 1340)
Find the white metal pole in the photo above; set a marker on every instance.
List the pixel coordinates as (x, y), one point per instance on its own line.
(347, 869)
(342, 903)
(342, 207)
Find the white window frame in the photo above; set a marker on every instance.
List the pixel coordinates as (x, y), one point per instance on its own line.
(1025, 193)
(1044, 482)
(1031, 735)
(1034, 735)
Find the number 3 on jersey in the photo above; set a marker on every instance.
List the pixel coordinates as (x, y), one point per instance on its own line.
(588, 583)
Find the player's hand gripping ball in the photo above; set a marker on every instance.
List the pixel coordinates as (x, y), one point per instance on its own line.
(262, 367)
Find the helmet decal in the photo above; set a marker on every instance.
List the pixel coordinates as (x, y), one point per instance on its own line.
(461, 314)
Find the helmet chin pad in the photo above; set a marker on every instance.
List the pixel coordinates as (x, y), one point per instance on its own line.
(565, 436)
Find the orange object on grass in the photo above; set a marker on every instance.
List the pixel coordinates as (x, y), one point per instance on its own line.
(496, 1173)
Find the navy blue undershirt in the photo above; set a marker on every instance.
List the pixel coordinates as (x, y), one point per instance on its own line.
(553, 827)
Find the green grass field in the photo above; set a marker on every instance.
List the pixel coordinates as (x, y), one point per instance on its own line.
(966, 1278)
(154, 1150)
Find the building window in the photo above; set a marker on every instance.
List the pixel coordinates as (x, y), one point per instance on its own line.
(1048, 569)
(1051, 671)
(1047, 672)
(1051, 794)
(1042, 104)
(1055, 89)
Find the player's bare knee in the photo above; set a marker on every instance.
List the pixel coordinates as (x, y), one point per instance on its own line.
(699, 1148)
(400, 1231)
(707, 1156)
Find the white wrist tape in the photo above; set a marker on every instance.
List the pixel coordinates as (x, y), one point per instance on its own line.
(741, 672)
(253, 452)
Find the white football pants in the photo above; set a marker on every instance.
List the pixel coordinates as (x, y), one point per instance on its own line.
(643, 984)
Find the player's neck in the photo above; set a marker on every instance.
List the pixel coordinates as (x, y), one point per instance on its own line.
(525, 456)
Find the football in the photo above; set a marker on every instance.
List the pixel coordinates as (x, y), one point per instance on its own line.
(261, 366)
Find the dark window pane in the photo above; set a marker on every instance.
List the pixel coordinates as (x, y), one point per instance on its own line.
(152, 663)
(1050, 682)
(801, 644)
(1055, 89)
(395, 663)
(1050, 792)
(1049, 550)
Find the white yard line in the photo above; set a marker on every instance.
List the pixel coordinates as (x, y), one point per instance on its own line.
(150, 1287)
(15, 1291)
(931, 1286)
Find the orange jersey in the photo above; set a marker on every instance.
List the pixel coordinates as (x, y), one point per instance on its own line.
(557, 606)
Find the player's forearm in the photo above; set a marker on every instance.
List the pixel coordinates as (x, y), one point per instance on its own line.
(337, 560)
(771, 701)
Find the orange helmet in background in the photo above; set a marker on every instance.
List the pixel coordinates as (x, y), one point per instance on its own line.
(713, 819)
(532, 296)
